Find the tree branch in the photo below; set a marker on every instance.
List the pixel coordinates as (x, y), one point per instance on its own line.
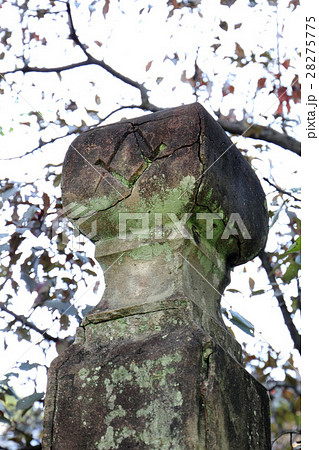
(42, 144)
(237, 128)
(31, 325)
(121, 108)
(145, 103)
(281, 191)
(78, 130)
(91, 60)
(295, 336)
(262, 133)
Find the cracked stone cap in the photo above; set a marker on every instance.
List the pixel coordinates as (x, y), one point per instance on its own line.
(178, 161)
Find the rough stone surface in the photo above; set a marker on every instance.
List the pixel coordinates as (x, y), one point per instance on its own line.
(153, 365)
(155, 380)
(177, 160)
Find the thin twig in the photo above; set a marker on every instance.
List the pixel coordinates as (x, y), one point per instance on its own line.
(281, 190)
(91, 60)
(41, 144)
(238, 128)
(29, 324)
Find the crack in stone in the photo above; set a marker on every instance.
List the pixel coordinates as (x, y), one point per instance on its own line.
(198, 189)
(105, 316)
(200, 161)
(117, 147)
(101, 164)
(135, 124)
(84, 333)
(54, 407)
(138, 134)
(156, 159)
(55, 397)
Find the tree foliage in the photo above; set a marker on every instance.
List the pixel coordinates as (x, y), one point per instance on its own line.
(68, 66)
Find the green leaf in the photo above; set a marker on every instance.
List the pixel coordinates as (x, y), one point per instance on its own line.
(23, 333)
(294, 248)
(62, 307)
(260, 291)
(4, 420)
(57, 180)
(242, 323)
(228, 3)
(64, 322)
(234, 291)
(28, 366)
(9, 193)
(90, 272)
(30, 282)
(86, 310)
(291, 272)
(27, 402)
(53, 165)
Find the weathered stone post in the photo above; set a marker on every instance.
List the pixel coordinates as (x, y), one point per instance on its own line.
(172, 206)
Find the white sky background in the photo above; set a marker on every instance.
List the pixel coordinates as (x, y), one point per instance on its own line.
(133, 41)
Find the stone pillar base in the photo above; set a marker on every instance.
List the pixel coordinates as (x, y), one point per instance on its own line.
(154, 376)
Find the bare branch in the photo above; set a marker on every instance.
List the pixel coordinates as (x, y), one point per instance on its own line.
(29, 324)
(91, 60)
(73, 34)
(121, 108)
(71, 133)
(42, 144)
(145, 103)
(237, 128)
(295, 336)
(262, 133)
(281, 190)
(27, 69)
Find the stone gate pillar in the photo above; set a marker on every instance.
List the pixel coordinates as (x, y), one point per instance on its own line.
(172, 206)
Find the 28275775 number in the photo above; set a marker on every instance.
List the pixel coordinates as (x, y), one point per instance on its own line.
(310, 47)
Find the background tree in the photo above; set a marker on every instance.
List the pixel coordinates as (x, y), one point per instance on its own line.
(70, 66)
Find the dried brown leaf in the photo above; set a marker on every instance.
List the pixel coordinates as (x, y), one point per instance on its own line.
(106, 8)
(261, 83)
(239, 51)
(148, 66)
